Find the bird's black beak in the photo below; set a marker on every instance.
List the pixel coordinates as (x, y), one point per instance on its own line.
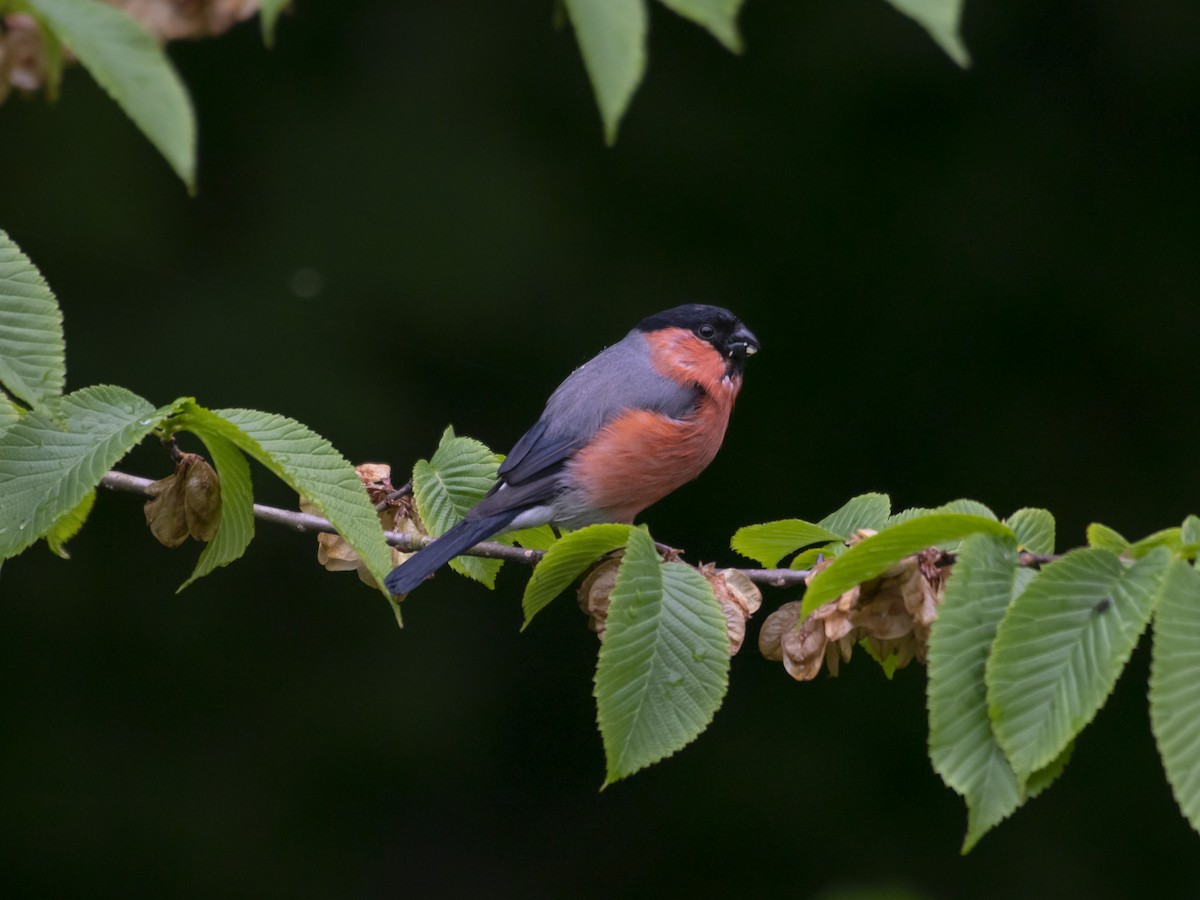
(742, 343)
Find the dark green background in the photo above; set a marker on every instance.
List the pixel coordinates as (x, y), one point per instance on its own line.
(975, 284)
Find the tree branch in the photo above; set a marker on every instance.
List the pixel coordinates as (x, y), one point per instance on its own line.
(306, 522)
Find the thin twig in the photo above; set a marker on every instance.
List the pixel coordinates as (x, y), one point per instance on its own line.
(1037, 560)
(403, 491)
(307, 522)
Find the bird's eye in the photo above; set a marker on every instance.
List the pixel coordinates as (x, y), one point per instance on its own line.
(706, 331)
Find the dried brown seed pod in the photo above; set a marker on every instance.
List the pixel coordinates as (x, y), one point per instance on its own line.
(594, 592)
(334, 551)
(739, 597)
(186, 503)
(892, 614)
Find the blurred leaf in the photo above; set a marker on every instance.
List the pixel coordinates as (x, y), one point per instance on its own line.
(68, 526)
(236, 525)
(1034, 529)
(1041, 780)
(941, 19)
(970, 507)
(810, 557)
(886, 663)
(1101, 537)
(53, 457)
(540, 537)
(719, 17)
(52, 56)
(1191, 531)
(1172, 538)
(1060, 648)
(907, 515)
(9, 413)
(864, 511)
(664, 663)
(1175, 686)
(962, 748)
(310, 466)
(875, 555)
(612, 38)
(32, 363)
(268, 12)
(770, 542)
(133, 69)
(566, 560)
(453, 480)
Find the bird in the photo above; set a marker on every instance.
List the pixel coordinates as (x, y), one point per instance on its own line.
(629, 426)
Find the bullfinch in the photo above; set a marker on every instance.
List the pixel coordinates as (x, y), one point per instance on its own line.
(626, 428)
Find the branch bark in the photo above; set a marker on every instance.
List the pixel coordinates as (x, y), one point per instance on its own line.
(306, 522)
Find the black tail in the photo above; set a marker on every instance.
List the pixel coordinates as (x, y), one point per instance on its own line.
(416, 569)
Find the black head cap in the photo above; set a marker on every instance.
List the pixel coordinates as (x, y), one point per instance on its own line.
(718, 326)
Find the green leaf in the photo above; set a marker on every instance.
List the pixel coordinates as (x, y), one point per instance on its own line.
(810, 557)
(133, 69)
(235, 527)
(1060, 648)
(962, 747)
(1101, 537)
(53, 457)
(540, 537)
(32, 352)
(1041, 780)
(970, 507)
(68, 526)
(719, 17)
(9, 413)
(268, 11)
(612, 38)
(1034, 529)
(1175, 686)
(907, 515)
(453, 480)
(1191, 531)
(886, 663)
(566, 560)
(664, 663)
(875, 555)
(770, 542)
(941, 19)
(311, 467)
(1171, 538)
(864, 511)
